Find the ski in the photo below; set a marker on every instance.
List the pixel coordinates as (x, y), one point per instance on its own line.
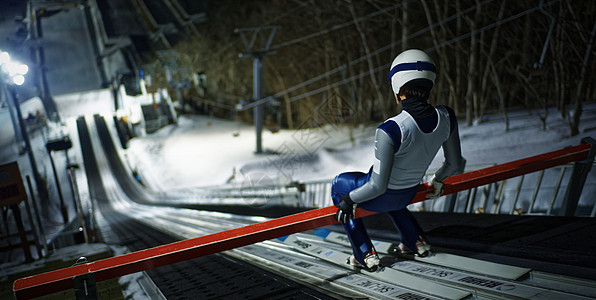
(384, 274)
(448, 270)
(474, 265)
(442, 259)
(358, 284)
(482, 285)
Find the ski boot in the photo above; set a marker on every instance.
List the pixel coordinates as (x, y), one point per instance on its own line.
(422, 248)
(371, 259)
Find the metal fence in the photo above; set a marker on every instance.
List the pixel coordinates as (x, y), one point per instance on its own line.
(544, 192)
(539, 193)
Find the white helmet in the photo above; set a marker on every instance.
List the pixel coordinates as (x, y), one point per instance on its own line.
(410, 65)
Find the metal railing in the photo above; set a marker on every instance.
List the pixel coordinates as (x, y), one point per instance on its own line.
(539, 193)
(532, 193)
(316, 194)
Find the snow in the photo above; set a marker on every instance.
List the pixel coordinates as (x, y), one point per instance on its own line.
(203, 151)
(85, 103)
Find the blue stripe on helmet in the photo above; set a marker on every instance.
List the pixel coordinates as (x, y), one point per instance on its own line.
(417, 66)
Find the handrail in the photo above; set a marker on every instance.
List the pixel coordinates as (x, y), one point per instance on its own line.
(515, 168)
(58, 280)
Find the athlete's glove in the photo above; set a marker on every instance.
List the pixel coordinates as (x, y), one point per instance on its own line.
(346, 209)
(437, 188)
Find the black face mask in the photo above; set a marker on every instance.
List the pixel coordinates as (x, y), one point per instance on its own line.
(423, 113)
(417, 108)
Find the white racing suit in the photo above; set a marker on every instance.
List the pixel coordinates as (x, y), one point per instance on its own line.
(405, 145)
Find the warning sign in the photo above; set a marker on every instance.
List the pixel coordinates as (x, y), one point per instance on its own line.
(12, 190)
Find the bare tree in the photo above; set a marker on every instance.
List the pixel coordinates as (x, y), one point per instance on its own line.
(379, 95)
(485, 91)
(340, 51)
(577, 112)
(471, 93)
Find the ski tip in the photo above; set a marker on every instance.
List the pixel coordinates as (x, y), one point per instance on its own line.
(283, 238)
(322, 232)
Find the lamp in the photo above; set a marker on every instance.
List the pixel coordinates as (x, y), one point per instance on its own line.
(12, 74)
(13, 70)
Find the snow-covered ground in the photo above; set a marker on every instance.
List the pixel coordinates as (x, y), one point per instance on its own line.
(203, 151)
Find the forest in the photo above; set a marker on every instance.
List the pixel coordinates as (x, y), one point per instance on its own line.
(326, 62)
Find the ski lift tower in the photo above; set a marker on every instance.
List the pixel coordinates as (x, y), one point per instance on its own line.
(257, 33)
(176, 76)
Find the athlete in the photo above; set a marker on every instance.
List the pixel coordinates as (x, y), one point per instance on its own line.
(405, 145)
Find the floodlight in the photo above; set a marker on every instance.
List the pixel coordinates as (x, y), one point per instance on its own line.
(4, 57)
(13, 68)
(18, 79)
(22, 69)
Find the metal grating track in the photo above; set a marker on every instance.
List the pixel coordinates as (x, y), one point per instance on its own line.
(210, 277)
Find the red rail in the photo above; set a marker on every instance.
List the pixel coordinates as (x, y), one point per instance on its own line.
(59, 280)
(512, 169)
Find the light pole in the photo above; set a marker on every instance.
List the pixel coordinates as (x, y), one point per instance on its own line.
(257, 56)
(57, 145)
(12, 75)
(259, 111)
